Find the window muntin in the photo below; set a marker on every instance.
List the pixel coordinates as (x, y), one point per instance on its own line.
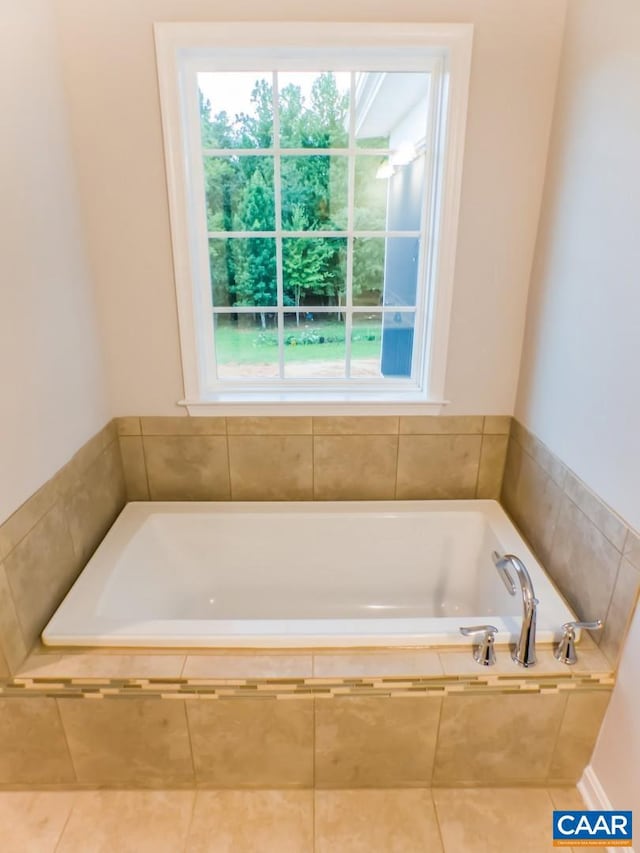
(441, 50)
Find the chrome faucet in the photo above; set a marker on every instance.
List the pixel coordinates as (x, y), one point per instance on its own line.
(524, 652)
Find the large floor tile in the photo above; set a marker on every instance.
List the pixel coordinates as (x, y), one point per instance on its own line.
(386, 821)
(252, 822)
(495, 820)
(32, 821)
(128, 822)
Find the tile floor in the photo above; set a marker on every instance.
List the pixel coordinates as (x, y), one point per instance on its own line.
(371, 821)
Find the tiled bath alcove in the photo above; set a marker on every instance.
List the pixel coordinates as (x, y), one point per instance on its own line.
(384, 719)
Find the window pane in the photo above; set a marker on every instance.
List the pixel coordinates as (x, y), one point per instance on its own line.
(368, 270)
(391, 109)
(370, 193)
(314, 345)
(397, 343)
(366, 345)
(405, 197)
(246, 345)
(388, 197)
(236, 109)
(239, 193)
(385, 270)
(314, 193)
(315, 271)
(243, 271)
(314, 109)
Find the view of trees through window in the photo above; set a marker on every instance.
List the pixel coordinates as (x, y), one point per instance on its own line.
(298, 226)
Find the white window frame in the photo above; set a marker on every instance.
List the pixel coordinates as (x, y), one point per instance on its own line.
(183, 48)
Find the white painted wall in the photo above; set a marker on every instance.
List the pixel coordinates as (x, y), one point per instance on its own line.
(52, 396)
(109, 64)
(616, 760)
(580, 381)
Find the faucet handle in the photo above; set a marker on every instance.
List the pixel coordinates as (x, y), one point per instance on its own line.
(588, 626)
(501, 562)
(478, 629)
(483, 653)
(566, 650)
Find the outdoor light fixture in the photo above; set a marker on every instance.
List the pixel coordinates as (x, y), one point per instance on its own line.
(404, 154)
(385, 170)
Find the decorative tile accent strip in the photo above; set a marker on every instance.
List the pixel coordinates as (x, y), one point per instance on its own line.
(276, 688)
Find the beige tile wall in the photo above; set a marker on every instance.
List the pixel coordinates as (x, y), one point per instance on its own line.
(590, 553)
(340, 743)
(346, 742)
(324, 458)
(48, 540)
(45, 543)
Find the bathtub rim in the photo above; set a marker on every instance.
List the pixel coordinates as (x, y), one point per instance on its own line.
(286, 634)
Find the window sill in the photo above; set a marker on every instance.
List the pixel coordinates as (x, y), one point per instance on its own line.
(255, 404)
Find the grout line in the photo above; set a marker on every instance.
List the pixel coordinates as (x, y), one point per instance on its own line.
(188, 725)
(556, 739)
(226, 439)
(146, 467)
(66, 823)
(395, 479)
(313, 467)
(437, 816)
(591, 522)
(435, 750)
(314, 786)
(475, 493)
(605, 619)
(395, 488)
(190, 824)
(66, 741)
(5, 633)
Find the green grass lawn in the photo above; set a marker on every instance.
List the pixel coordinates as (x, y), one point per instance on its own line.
(310, 341)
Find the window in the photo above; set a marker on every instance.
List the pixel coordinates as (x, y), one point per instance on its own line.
(314, 175)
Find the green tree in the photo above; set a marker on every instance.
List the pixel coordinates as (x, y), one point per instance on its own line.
(255, 258)
(306, 264)
(240, 196)
(328, 114)
(256, 130)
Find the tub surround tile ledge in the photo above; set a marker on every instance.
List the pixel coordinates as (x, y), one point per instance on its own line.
(442, 669)
(47, 541)
(590, 553)
(168, 458)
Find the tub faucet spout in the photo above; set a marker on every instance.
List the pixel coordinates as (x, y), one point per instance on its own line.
(524, 652)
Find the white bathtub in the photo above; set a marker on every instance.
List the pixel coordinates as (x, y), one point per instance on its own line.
(301, 574)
